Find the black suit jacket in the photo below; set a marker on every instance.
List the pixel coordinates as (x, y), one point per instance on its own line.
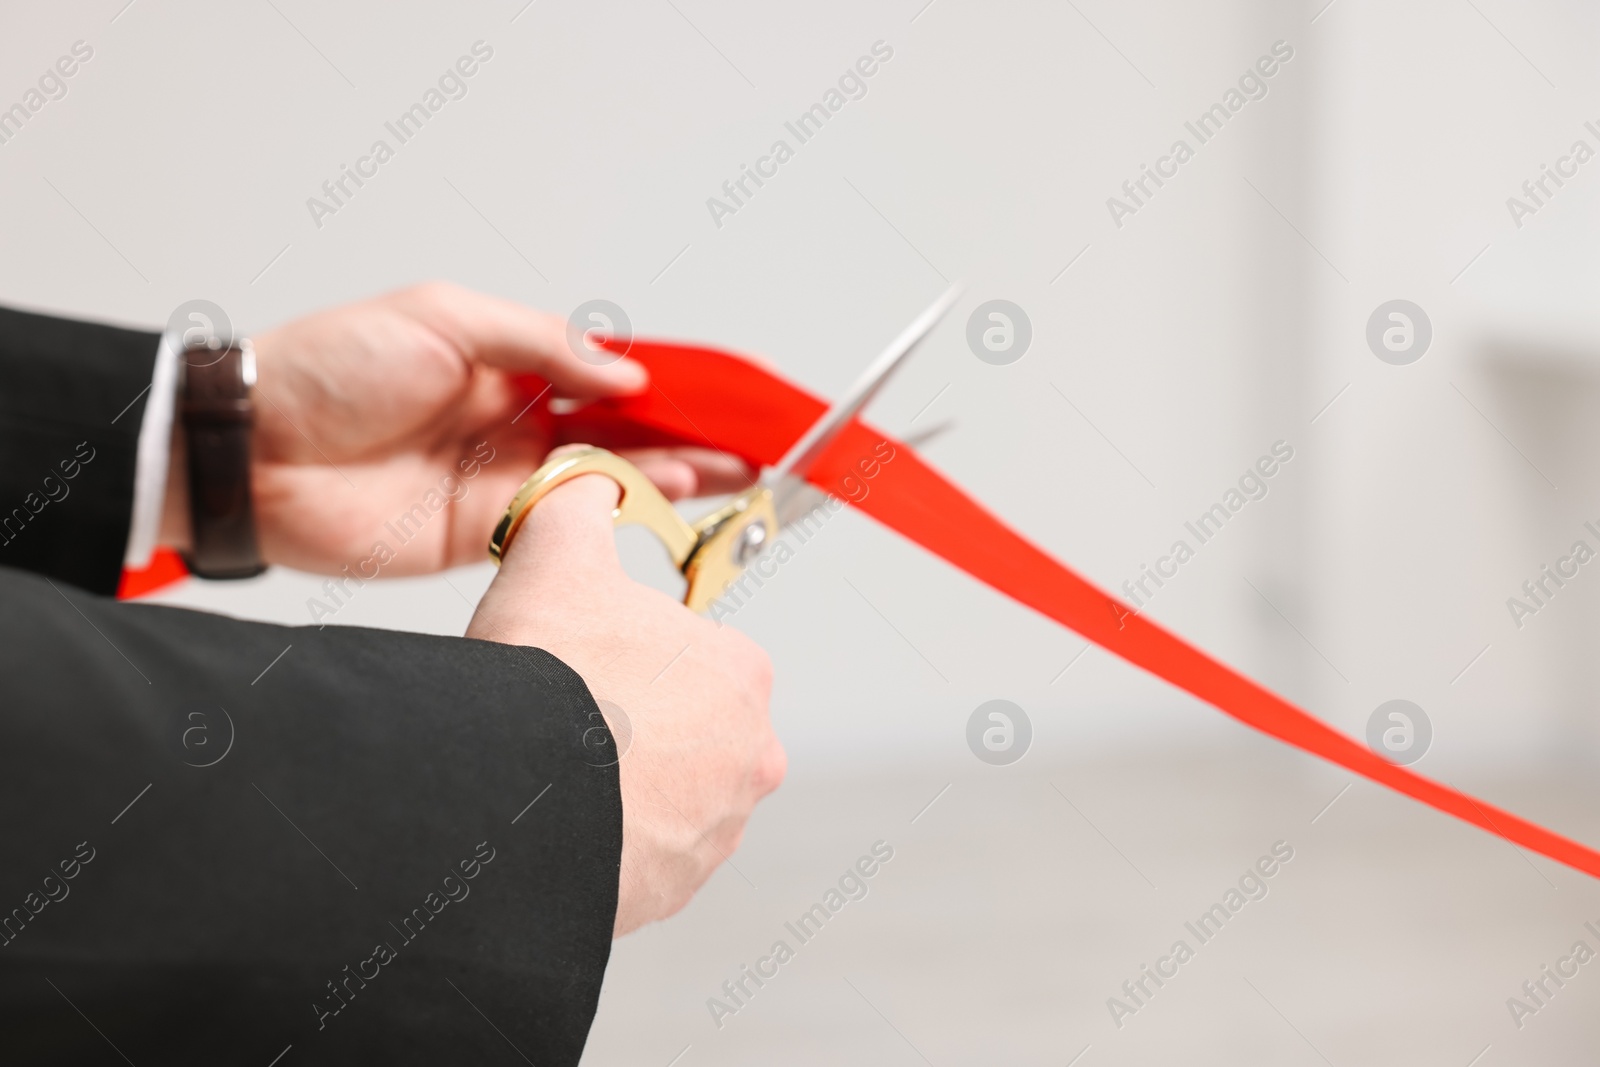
(227, 841)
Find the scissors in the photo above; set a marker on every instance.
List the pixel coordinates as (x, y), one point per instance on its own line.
(714, 551)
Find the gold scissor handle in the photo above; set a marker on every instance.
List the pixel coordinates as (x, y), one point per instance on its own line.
(710, 554)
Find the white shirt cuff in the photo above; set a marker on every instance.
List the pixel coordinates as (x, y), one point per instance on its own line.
(152, 458)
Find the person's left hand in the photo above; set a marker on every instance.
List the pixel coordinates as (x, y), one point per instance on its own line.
(407, 421)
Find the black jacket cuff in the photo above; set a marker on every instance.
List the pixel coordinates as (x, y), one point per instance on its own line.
(72, 398)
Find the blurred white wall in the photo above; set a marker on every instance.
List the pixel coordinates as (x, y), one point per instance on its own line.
(1444, 485)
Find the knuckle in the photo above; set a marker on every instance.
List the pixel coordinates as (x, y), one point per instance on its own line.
(747, 664)
(686, 843)
(771, 768)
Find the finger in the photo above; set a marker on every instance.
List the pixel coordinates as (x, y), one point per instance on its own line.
(675, 478)
(689, 472)
(568, 535)
(510, 337)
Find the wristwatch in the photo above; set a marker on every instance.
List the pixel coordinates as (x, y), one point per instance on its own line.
(218, 419)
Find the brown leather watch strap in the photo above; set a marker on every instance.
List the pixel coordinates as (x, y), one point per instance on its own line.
(218, 419)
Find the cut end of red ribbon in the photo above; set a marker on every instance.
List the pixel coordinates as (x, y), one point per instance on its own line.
(165, 568)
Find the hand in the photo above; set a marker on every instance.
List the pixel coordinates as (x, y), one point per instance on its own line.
(702, 750)
(372, 415)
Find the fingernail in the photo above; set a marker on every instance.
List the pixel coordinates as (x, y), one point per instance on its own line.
(630, 374)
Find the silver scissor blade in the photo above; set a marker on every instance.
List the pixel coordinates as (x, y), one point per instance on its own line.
(800, 498)
(922, 437)
(815, 441)
(793, 500)
(788, 478)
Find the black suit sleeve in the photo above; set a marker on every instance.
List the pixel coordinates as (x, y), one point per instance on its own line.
(222, 839)
(72, 396)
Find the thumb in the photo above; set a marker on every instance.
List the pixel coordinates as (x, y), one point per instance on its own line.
(570, 531)
(559, 562)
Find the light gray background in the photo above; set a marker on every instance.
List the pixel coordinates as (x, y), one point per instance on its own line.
(1167, 355)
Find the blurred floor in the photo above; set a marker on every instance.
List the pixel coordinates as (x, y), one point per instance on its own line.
(1020, 901)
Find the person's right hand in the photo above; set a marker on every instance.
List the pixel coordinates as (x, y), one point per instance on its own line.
(702, 749)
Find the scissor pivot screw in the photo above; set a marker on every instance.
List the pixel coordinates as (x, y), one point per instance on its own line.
(751, 540)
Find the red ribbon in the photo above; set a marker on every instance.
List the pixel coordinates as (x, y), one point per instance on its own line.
(705, 397)
(700, 396)
(164, 568)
